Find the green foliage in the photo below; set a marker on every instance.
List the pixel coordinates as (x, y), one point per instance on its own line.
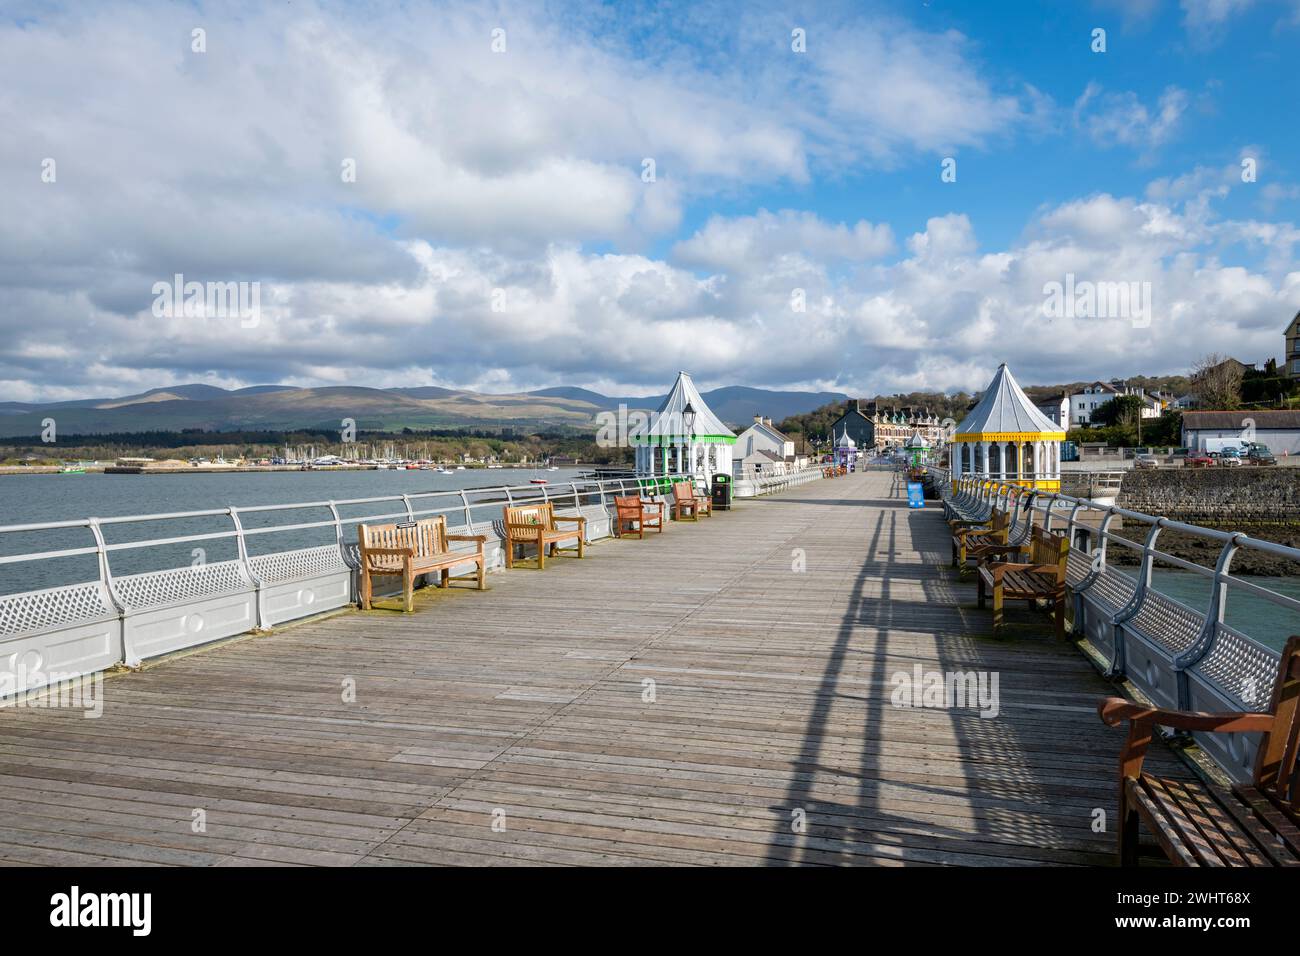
(1121, 409)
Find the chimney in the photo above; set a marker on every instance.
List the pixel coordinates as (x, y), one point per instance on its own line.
(758, 419)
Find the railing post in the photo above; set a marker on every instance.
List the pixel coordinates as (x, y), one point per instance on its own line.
(469, 517)
(406, 502)
(247, 564)
(1214, 616)
(110, 588)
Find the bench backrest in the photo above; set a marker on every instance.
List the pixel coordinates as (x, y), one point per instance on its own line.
(629, 506)
(1049, 549)
(999, 522)
(1277, 771)
(540, 514)
(424, 538)
(683, 491)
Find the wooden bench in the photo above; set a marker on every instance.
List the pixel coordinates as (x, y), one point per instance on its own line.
(1197, 824)
(687, 502)
(410, 549)
(539, 524)
(1042, 578)
(979, 541)
(634, 514)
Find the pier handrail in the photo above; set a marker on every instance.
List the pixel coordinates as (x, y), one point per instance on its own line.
(1180, 656)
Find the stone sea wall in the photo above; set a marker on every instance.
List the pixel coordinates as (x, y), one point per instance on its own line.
(1222, 497)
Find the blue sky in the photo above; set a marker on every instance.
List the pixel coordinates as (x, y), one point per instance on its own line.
(499, 235)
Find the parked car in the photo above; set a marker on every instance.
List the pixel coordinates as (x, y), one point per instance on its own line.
(1230, 456)
(1198, 460)
(1259, 455)
(1145, 461)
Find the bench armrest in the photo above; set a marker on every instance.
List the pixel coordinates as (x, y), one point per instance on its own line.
(1115, 710)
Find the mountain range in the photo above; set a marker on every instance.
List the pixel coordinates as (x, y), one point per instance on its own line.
(286, 408)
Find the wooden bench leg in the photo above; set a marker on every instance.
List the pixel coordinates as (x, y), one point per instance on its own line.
(997, 608)
(366, 592)
(541, 555)
(482, 571)
(408, 592)
(1060, 618)
(979, 591)
(582, 542)
(446, 578)
(1128, 829)
(510, 552)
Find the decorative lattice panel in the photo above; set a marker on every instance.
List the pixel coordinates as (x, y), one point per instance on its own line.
(159, 588)
(1078, 565)
(1113, 590)
(1167, 623)
(56, 607)
(293, 565)
(1241, 668)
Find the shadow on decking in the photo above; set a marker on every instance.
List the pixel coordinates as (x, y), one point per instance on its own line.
(942, 785)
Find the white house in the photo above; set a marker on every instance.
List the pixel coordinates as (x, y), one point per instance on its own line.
(1092, 397)
(761, 447)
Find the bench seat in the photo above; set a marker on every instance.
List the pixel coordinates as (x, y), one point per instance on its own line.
(1202, 824)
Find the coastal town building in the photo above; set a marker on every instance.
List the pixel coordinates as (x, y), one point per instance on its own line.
(1092, 397)
(1057, 408)
(1005, 436)
(763, 449)
(1279, 429)
(877, 427)
(1291, 338)
(684, 436)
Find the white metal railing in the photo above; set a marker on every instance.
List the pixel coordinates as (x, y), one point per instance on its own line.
(127, 615)
(752, 485)
(1177, 655)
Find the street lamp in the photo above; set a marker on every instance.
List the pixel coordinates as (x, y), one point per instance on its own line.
(688, 421)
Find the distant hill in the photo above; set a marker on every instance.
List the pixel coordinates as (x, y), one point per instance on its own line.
(734, 404)
(286, 408)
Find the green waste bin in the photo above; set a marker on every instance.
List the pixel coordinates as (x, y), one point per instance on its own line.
(722, 492)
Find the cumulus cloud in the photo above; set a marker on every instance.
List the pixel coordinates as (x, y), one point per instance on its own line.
(500, 232)
(1121, 119)
(732, 243)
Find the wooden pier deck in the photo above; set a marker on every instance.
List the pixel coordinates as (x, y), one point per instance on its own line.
(529, 705)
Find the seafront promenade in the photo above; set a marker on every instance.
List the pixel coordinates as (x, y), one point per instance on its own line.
(720, 694)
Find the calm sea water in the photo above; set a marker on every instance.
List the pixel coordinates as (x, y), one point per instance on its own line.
(39, 498)
(1259, 617)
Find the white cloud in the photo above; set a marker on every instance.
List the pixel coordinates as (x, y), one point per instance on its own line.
(1121, 119)
(732, 243)
(521, 172)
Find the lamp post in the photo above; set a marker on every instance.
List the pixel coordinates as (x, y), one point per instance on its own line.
(688, 422)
